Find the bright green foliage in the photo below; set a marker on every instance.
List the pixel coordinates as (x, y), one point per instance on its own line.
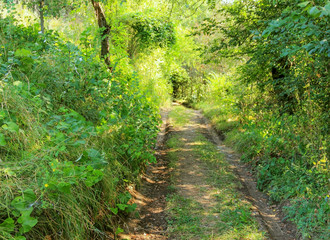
(281, 148)
(72, 136)
(51, 7)
(183, 69)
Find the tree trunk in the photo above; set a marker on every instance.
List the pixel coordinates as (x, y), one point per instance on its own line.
(41, 16)
(103, 24)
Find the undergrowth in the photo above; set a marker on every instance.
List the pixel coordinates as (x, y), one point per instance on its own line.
(72, 137)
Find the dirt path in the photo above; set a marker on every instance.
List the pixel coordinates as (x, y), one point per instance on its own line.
(151, 221)
(208, 202)
(269, 217)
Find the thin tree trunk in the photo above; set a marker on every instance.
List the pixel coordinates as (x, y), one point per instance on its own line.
(41, 16)
(103, 24)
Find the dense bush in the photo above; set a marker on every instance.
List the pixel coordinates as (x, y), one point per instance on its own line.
(148, 32)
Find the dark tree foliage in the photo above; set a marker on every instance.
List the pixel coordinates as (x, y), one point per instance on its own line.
(289, 39)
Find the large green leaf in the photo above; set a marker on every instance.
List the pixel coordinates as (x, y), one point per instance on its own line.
(29, 196)
(121, 206)
(21, 203)
(8, 225)
(93, 177)
(11, 127)
(27, 222)
(64, 187)
(114, 210)
(2, 114)
(326, 9)
(314, 12)
(303, 4)
(2, 140)
(19, 238)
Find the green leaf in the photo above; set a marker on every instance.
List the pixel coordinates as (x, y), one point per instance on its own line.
(114, 210)
(314, 12)
(79, 143)
(64, 187)
(2, 114)
(18, 83)
(18, 203)
(19, 238)
(94, 154)
(285, 52)
(327, 7)
(121, 206)
(266, 33)
(8, 172)
(93, 176)
(27, 222)
(23, 53)
(29, 196)
(303, 4)
(21, 203)
(11, 127)
(8, 225)
(326, 10)
(131, 208)
(119, 230)
(62, 149)
(16, 213)
(2, 140)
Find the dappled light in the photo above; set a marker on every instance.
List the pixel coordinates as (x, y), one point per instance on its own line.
(164, 119)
